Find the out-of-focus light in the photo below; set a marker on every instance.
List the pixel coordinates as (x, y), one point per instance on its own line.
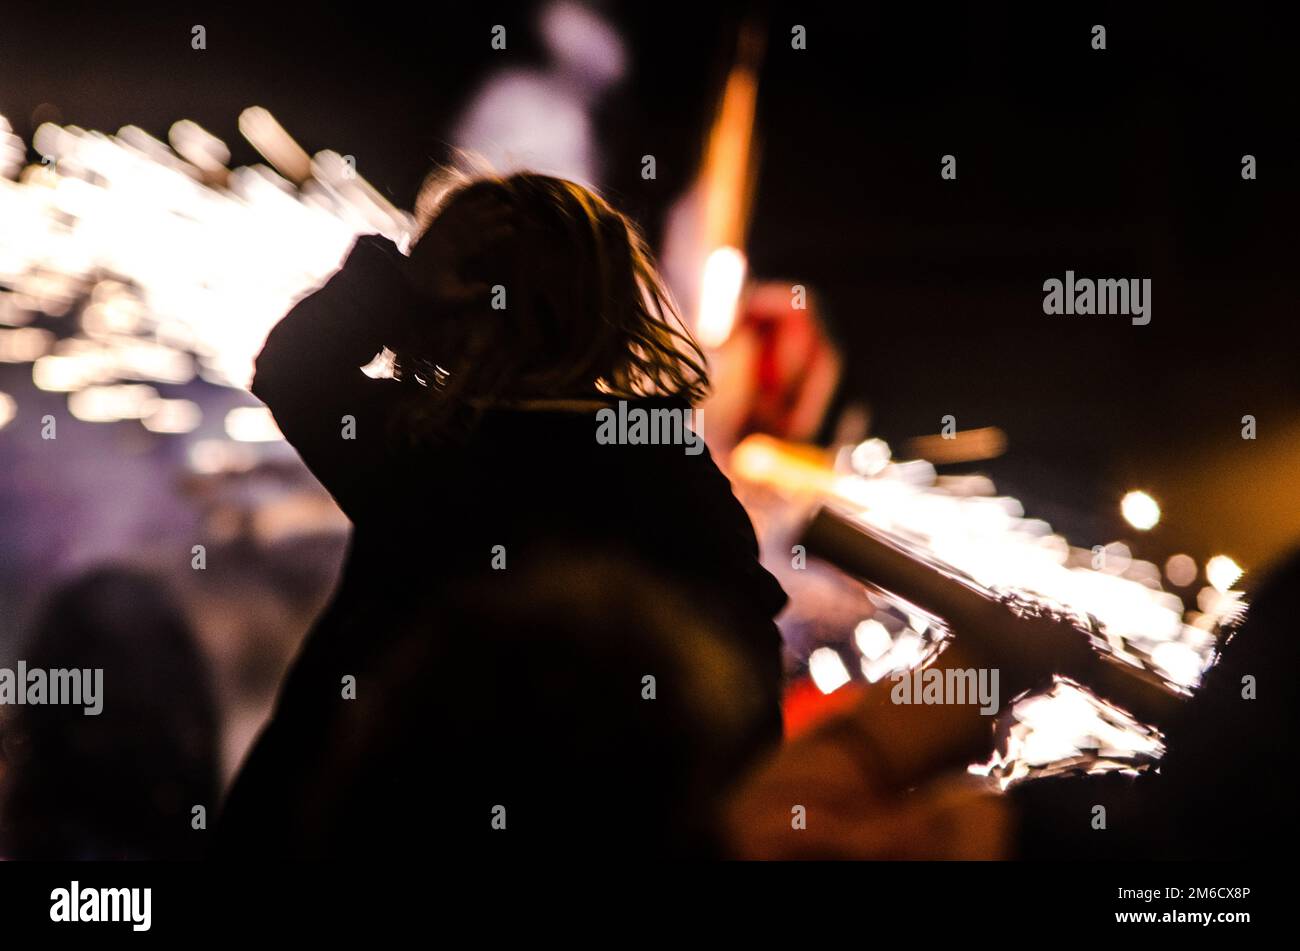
(827, 670)
(8, 408)
(276, 145)
(58, 374)
(206, 261)
(1118, 558)
(173, 416)
(1140, 510)
(1179, 660)
(252, 424)
(1222, 572)
(12, 151)
(581, 39)
(1180, 570)
(74, 364)
(966, 445)
(724, 275)
(754, 459)
(24, 344)
(908, 650)
(986, 537)
(870, 457)
(1056, 722)
(198, 146)
(1220, 607)
(873, 639)
(760, 458)
(969, 527)
(117, 315)
(142, 360)
(214, 456)
(107, 404)
(11, 313)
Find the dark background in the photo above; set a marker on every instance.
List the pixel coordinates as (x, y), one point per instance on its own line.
(1118, 163)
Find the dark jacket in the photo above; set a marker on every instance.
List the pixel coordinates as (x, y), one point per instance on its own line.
(428, 522)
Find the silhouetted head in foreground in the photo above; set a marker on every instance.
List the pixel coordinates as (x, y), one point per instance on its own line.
(578, 709)
(541, 290)
(120, 784)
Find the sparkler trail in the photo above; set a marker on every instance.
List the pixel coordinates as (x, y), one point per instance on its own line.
(160, 262)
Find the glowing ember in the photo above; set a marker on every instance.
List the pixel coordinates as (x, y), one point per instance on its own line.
(1140, 510)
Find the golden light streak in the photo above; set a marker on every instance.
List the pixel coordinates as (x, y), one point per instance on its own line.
(727, 182)
(276, 145)
(988, 538)
(967, 445)
(724, 276)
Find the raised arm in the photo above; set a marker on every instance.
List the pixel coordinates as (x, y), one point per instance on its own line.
(309, 370)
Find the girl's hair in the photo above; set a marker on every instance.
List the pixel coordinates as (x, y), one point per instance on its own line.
(586, 315)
